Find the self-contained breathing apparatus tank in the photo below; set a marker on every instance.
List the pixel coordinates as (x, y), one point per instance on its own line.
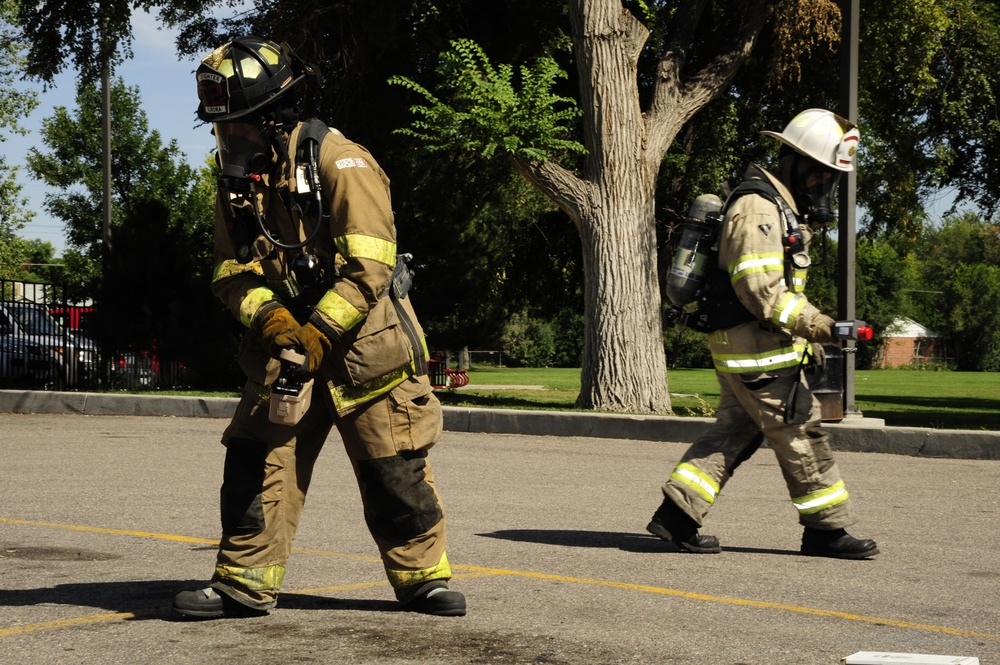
(693, 258)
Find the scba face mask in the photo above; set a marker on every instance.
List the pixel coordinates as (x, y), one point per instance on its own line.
(245, 152)
(816, 189)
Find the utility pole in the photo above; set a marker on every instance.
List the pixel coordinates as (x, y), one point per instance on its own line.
(106, 145)
(847, 225)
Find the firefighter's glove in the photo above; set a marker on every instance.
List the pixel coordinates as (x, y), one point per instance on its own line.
(275, 323)
(312, 343)
(821, 330)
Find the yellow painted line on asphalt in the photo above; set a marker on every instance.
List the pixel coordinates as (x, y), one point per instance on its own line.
(117, 532)
(75, 621)
(944, 630)
(479, 571)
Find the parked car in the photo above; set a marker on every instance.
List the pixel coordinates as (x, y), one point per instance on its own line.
(35, 350)
(130, 370)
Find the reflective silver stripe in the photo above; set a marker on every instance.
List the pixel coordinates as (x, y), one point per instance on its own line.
(697, 480)
(821, 500)
(755, 263)
(783, 357)
(788, 310)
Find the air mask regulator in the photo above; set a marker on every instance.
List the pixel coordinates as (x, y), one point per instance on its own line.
(244, 154)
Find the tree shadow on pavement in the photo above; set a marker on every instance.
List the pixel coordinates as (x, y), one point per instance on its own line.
(628, 542)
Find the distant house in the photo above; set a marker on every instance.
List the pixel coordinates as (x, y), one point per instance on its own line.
(909, 343)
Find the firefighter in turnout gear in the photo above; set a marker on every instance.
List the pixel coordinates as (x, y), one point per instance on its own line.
(761, 342)
(306, 260)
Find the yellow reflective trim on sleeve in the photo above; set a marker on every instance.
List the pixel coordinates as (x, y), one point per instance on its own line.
(336, 308)
(402, 579)
(822, 499)
(702, 483)
(755, 263)
(253, 302)
(228, 268)
(265, 578)
(799, 280)
(787, 356)
(356, 246)
(788, 309)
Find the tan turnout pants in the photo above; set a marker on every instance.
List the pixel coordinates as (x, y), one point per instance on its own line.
(801, 447)
(267, 473)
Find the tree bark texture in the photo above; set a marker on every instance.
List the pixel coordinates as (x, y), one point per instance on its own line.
(613, 201)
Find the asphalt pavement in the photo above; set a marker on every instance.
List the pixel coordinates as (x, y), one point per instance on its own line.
(105, 514)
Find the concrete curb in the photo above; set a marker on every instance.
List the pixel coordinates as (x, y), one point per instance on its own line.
(856, 435)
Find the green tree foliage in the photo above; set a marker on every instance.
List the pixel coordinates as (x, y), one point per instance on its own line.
(88, 32)
(487, 113)
(930, 83)
(142, 169)
(959, 291)
(15, 104)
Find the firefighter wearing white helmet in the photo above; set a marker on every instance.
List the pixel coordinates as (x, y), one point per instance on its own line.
(306, 260)
(763, 333)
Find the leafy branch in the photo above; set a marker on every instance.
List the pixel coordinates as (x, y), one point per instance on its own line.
(478, 108)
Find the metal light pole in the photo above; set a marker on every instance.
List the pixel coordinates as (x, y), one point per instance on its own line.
(847, 227)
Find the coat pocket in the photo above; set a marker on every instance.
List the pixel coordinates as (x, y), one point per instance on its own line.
(380, 347)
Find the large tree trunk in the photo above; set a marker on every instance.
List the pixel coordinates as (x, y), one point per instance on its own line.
(612, 202)
(624, 367)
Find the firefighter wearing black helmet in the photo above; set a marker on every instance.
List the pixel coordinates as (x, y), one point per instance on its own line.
(761, 338)
(306, 260)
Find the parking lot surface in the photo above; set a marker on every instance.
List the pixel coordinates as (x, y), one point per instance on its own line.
(104, 518)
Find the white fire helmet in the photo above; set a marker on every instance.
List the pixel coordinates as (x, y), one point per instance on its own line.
(823, 136)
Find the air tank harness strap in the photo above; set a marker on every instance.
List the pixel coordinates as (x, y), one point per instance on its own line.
(402, 280)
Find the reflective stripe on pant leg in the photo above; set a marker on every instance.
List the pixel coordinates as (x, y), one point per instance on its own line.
(387, 441)
(708, 463)
(803, 452)
(250, 565)
(407, 581)
(703, 484)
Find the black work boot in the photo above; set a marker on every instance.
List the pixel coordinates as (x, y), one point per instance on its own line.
(837, 544)
(436, 598)
(674, 525)
(208, 603)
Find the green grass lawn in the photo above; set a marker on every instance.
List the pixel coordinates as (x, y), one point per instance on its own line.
(903, 398)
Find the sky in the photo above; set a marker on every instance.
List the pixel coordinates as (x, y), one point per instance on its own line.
(169, 99)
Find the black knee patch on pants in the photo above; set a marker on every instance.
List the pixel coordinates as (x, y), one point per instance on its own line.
(242, 482)
(399, 502)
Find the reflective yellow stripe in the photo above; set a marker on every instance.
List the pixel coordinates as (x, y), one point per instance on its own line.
(253, 302)
(355, 246)
(400, 579)
(228, 268)
(755, 263)
(698, 480)
(266, 578)
(787, 356)
(799, 281)
(822, 499)
(788, 310)
(337, 309)
(346, 398)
